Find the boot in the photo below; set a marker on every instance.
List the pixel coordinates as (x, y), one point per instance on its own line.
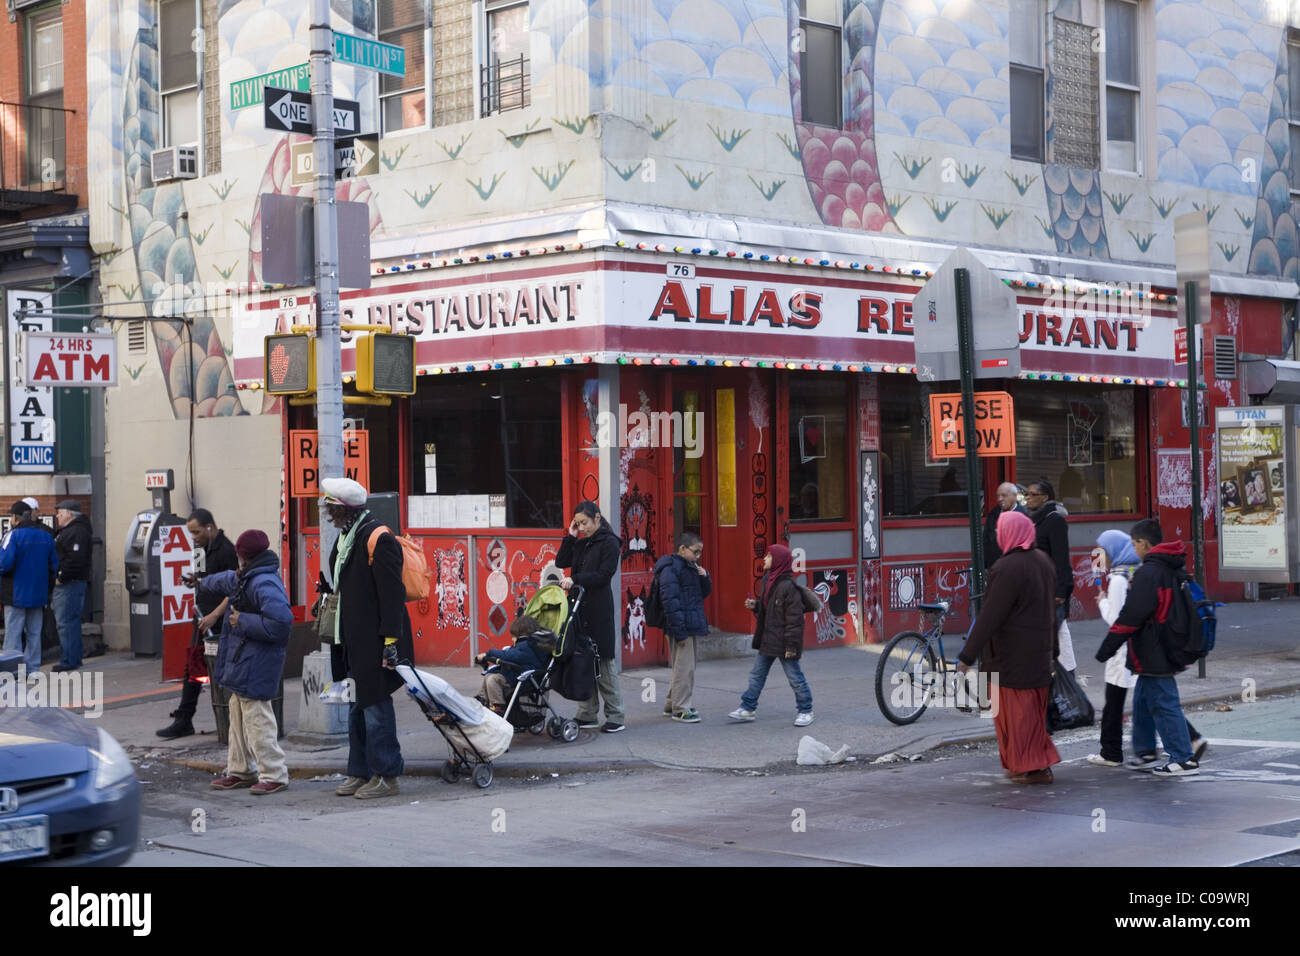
(183, 723)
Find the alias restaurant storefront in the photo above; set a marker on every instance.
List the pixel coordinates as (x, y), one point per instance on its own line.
(751, 397)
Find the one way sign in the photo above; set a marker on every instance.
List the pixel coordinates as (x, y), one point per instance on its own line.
(290, 111)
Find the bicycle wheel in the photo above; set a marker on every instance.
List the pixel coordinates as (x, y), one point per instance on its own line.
(907, 676)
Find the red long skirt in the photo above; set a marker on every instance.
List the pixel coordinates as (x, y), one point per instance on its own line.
(1021, 725)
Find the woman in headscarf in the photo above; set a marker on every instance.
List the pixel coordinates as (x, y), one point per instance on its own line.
(1015, 634)
(1116, 558)
(778, 636)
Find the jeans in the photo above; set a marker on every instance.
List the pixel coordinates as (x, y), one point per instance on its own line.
(1156, 708)
(758, 677)
(68, 603)
(607, 688)
(20, 620)
(1112, 724)
(373, 750)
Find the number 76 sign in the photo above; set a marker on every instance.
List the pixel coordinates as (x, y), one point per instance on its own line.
(70, 359)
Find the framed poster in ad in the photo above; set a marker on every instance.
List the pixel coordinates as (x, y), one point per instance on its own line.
(1253, 489)
(869, 521)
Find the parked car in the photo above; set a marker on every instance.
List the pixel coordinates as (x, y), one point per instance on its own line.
(68, 792)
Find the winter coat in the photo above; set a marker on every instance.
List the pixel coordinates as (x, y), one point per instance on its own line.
(778, 627)
(250, 655)
(1109, 605)
(991, 550)
(594, 561)
(72, 545)
(528, 653)
(682, 590)
(1052, 537)
(1144, 620)
(372, 606)
(1015, 632)
(29, 562)
(218, 556)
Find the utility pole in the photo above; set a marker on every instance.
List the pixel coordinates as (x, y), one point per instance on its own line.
(1190, 294)
(966, 354)
(329, 363)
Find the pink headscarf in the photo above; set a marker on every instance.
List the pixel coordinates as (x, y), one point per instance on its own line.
(782, 561)
(1015, 530)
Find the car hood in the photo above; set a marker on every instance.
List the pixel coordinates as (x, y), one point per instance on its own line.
(40, 742)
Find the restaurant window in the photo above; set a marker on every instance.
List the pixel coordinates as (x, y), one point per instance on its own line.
(911, 482)
(817, 450)
(380, 424)
(1083, 441)
(495, 436)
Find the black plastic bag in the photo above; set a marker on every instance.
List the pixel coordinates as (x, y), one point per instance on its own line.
(1068, 706)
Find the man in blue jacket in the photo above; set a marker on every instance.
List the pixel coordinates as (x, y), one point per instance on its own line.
(250, 662)
(683, 586)
(29, 562)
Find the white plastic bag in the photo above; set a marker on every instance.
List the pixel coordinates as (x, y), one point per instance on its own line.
(814, 753)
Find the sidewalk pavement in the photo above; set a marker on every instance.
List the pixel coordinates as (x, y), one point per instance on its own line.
(1258, 649)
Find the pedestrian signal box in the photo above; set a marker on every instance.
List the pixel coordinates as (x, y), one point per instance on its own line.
(290, 364)
(386, 364)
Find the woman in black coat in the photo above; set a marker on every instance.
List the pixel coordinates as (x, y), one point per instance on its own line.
(592, 550)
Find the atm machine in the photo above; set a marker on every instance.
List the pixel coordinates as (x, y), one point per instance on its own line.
(145, 579)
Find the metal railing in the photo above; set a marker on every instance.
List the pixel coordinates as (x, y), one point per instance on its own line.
(33, 148)
(505, 85)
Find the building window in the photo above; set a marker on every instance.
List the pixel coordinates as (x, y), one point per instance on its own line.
(1123, 99)
(911, 482)
(494, 435)
(178, 58)
(401, 98)
(45, 127)
(1027, 79)
(1293, 106)
(453, 62)
(818, 446)
(506, 80)
(821, 80)
(1083, 442)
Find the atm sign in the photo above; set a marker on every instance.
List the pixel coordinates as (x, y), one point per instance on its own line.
(71, 359)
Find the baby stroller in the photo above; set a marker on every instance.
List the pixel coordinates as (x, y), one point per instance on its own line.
(475, 736)
(529, 707)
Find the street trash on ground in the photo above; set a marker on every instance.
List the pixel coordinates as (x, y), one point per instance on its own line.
(894, 757)
(1222, 708)
(814, 753)
(326, 778)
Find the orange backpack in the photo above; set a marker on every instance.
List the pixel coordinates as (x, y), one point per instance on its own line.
(415, 567)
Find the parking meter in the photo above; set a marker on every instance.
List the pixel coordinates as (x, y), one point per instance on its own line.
(158, 551)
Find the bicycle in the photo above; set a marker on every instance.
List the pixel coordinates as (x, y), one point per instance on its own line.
(913, 666)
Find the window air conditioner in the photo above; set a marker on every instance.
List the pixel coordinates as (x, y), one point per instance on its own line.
(174, 162)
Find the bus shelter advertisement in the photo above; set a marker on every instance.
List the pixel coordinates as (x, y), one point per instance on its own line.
(1252, 488)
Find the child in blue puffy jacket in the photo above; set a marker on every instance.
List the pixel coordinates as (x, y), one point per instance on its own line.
(531, 651)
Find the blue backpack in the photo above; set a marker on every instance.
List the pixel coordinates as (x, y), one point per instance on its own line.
(1192, 622)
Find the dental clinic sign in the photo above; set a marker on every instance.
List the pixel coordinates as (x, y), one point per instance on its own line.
(31, 407)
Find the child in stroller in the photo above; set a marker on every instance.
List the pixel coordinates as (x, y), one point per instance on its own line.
(532, 651)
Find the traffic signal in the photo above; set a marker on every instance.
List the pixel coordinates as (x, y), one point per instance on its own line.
(386, 364)
(290, 364)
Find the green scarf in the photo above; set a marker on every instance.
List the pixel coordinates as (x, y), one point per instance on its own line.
(346, 541)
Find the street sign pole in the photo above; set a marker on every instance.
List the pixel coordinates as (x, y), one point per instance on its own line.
(1190, 293)
(329, 370)
(966, 356)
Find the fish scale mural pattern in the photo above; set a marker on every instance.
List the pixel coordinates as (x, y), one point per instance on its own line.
(703, 98)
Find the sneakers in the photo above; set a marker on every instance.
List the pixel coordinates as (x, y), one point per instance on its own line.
(350, 786)
(803, 719)
(1033, 777)
(1199, 746)
(182, 726)
(267, 786)
(377, 787)
(611, 727)
(1097, 760)
(588, 723)
(1172, 769)
(1146, 761)
(687, 716)
(740, 713)
(63, 668)
(232, 783)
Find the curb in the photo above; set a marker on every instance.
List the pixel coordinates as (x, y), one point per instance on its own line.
(425, 768)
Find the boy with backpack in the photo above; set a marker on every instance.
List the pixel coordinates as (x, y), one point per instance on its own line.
(1152, 622)
(678, 607)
